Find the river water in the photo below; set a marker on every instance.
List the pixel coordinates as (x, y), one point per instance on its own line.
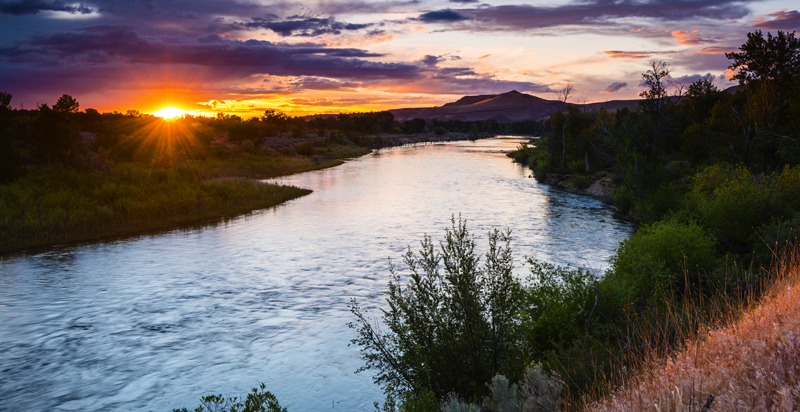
(152, 322)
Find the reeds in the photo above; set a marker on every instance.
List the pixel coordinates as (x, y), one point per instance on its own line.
(743, 351)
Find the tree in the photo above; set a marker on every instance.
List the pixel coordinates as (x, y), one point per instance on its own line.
(66, 104)
(563, 96)
(766, 69)
(657, 102)
(449, 331)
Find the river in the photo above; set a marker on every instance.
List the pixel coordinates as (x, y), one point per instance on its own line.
(151, 322)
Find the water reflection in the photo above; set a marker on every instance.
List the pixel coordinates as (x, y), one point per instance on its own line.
(151, 322)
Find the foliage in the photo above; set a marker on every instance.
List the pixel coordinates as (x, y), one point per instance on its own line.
(451, 326)
(660, 258)
(439, 130)
(538, 391)
(258, 400)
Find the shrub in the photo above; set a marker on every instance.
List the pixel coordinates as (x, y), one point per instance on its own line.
(576, 167)
(448, 329)
(538, 392)
(658, 256)
(439, 130)
(305, 149)
(257, 400)
(581, 182)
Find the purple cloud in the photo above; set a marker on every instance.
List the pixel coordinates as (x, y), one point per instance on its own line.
(601, 12)
(780, 20)
(20, 8)
(442, 16)
(310, 27)
(613, 87)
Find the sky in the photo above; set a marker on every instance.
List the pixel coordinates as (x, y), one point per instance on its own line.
(330, 56)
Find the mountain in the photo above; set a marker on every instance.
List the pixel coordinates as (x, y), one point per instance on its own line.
(508, 107)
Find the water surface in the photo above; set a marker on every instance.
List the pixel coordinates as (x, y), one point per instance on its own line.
(152, 322)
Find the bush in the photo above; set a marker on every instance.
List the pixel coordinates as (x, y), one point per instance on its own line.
(581, 182)
(449, 331)
(439, 130)
(576, 167)
(657, 257)
(305, 149)
(538, 391)
(257, 401)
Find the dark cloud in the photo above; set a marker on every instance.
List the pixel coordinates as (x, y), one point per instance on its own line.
(309, 27)
(430, 60)
(463, 1)
(780, 20)
(442, 16)
(320, 83)
(107, 45)
(686, 80)
(21, 8)
(613, 87)
(602, 12)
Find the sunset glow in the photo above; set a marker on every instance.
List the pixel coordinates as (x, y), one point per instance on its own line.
(169, 113)
(338, 56)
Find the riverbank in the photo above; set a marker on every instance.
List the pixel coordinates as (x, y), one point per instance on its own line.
(56, 205)
(598, 185)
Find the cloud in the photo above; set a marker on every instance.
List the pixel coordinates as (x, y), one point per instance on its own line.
(620, 54)
(687, 38)
(309, 27)
(691, 78)
(114, 45)
(717, 50)
(320, 83)
(430, 60)
(442, 16)
(779, 20)
(21, 8)
(613, 87)
(601, 12)
(484, 56)
(463, 1)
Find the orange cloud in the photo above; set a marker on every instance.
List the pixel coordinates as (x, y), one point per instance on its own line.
(687, 38)
(484, 56)
(780, 19)
(717, 50)
(649, 30)
(620, 54)
(339, 41)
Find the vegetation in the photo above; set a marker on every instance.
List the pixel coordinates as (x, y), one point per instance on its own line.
(258, 400)
(712, 178)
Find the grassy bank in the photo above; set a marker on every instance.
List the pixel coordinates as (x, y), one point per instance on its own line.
(749, 363)
(56, 205)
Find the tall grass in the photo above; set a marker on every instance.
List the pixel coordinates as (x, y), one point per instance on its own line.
(742, 348)
(53, 205)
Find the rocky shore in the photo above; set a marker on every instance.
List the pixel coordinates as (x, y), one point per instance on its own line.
(598, 185)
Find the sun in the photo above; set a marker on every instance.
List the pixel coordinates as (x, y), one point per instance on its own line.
(169, 112)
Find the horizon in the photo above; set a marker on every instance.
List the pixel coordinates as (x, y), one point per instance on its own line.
(321, 58)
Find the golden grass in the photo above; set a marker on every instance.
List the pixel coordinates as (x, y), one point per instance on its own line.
(751, 364)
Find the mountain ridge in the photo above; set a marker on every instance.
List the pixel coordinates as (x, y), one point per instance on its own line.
(505, 107)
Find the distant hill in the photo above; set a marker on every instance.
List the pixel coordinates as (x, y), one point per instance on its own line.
(508, 107)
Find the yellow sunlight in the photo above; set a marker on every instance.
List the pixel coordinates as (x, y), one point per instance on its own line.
(170, 112)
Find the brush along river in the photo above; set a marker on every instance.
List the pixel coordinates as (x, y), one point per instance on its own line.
(154, 321)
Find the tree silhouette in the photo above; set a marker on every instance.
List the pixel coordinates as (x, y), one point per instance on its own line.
(66, 104)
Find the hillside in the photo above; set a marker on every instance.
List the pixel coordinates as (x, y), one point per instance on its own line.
(750, 364)
(508, 107)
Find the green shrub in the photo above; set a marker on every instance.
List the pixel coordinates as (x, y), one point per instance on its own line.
(538, 391)
(576, 167)
(581, 182)
(452, 326)
(305, 149)
(658, 256)
(439, 130)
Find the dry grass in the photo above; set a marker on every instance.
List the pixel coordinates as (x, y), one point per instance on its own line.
(751, 364)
